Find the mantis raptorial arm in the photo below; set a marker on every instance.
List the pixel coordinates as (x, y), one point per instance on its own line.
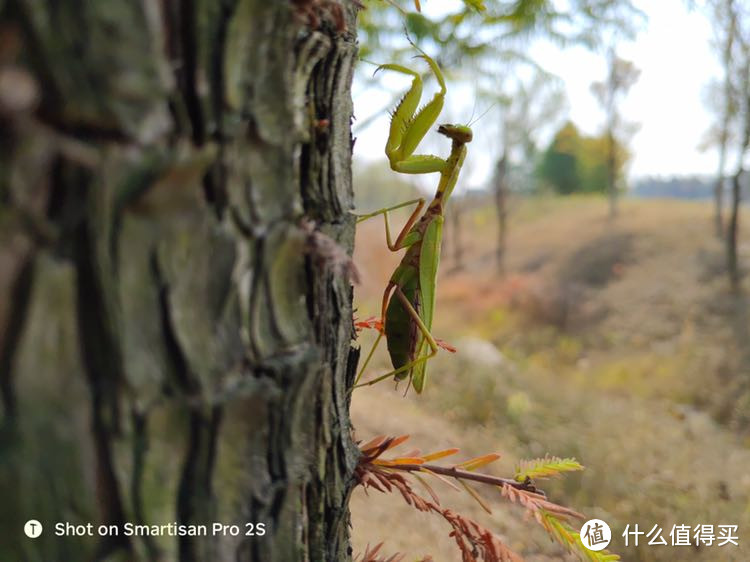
(409, 126)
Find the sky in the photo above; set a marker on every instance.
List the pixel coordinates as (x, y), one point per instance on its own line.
(668, 101)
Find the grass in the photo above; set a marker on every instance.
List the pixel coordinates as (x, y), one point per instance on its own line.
(617, 344)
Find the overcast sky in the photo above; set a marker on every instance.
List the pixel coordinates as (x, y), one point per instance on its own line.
(676, 63)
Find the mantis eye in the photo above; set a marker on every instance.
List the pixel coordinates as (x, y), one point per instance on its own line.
(459, 133)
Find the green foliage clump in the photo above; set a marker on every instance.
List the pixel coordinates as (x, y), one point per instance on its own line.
(576, 163)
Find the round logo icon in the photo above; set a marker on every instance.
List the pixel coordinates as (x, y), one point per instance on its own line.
(595, 534)
(32, 528)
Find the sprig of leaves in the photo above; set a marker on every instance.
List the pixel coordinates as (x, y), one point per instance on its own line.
(388, 474)
(546, 467)
(571, 539)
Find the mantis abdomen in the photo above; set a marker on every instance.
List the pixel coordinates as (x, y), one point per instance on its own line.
(402, 333)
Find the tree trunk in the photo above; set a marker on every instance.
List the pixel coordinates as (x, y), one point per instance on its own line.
(456, 214)
(501, 207)
(612, 171)
(719, 203)
(726, 118)
(735, 276)
(176, 181)
(733, 266)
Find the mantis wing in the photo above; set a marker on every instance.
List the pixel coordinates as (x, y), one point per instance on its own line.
(429, 260)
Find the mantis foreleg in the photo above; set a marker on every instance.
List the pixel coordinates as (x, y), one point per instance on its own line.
(409, 125)
(401, 241)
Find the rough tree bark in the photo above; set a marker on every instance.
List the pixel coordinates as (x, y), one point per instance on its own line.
(176, 181)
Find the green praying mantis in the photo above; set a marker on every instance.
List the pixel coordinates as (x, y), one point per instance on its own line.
(408, 304)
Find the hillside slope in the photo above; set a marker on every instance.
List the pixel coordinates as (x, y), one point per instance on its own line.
(619, 345)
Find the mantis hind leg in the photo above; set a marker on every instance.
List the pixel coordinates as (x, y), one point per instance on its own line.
(386, 298)
(367, 360)
(428, 337)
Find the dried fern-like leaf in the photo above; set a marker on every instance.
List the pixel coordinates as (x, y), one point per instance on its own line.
(442, 478)
(440, 454)
(478, 462)
(473, 493)
(428, 488)
(371, 555)
(537, 503)
(474, 541)
(372, 444)
(398, 461)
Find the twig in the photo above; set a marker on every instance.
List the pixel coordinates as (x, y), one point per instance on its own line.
(526, 486)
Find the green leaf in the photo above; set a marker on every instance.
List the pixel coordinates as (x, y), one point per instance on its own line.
(478, 5)
(571, 539)
(546, 467)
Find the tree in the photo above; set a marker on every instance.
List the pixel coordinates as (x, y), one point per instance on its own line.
(575, 163)
(559, 164)
(525, 109)
(731, 22)
(176, 184)
(724, 17)
(501, 192)
(621, 76)
(741, 58)
(506, 29)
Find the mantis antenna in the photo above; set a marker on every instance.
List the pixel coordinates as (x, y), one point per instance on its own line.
(485, 112)
(399, 8)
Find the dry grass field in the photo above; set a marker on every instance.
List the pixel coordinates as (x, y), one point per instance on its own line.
(618, 344)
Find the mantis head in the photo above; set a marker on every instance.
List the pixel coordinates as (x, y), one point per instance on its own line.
(458, 133)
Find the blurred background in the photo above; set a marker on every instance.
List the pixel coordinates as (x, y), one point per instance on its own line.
(593, 268)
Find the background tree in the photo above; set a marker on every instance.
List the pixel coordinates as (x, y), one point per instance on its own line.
(741, 58)
(621, 75)
(729, 100)
(501, 192)
(559, 164)
(507, 27)
(576, 163)
(723, 98)
(181, 207)
(527, 108)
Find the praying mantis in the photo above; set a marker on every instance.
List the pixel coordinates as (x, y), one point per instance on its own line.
(408, 304)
